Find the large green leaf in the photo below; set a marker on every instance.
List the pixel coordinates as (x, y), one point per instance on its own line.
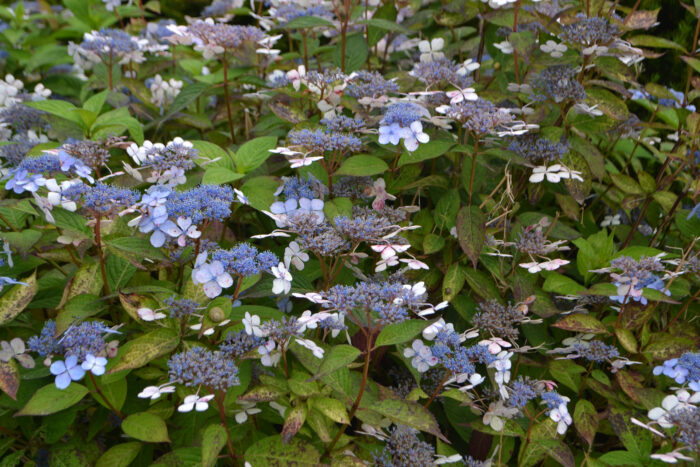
(398, 333)
(146, 426)
(50, 399)
(362, 165)
(254, 153)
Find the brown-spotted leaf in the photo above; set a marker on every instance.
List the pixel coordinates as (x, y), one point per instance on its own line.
(471, 232)
(271, 451)
(641, 19)
(17, 299)
(586, 420)
(140, 351)
(293, 422)
(664, 346)
(9, 378)
(578, 322)
(261, 394)
(410, 414)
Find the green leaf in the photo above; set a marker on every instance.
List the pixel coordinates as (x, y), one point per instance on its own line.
(146, 426)
(22, 241)
(61, 109)
(693, 62)
(627, 184)
(481, 284)
(362, 165)
(254, 153)
(429, 150)
(385, 25)
(214, 175)
(95, 103)
(567, 373)
(398, 333)
(355, 54)
(561, 284)
(331, 408)
(78, 307)
(213, 440)
(113, 395)
(211, 151)
(50, 399)
(608, 103)
(654, 41)
(17, 299)
(433, 243)
(579, 322)
(140, 351)
(625, 458)
(187, 95)
(586, 420)
(119, 272)
(260, 192)
(134, 248)
(557, 450)
(446, 210)
(120, 455)
(337, 207)
(303, 22)
(339, 356)
(408, 413)
(452, 282)
(71, 221)
(471, 232)
(636, 439)
(272, 451)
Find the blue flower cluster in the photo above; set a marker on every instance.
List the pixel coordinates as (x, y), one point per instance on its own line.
(403, 448)
(597, 351)
(535, 149)
(203, 203)
(83, 342)
(684, 369)
(521, 392)
(30, 174)
(180, 307)
(455, 358)
(392, 301)
(236, 344)
(101, 199)
(245, 260)
(369, 84)
(636, 276)
(319, 141)
(109, 44)
(199, 366)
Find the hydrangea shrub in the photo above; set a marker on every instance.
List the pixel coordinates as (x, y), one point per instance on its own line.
(348, 233)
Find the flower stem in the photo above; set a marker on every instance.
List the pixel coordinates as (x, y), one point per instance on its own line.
(100, 254)
(356, 404)
(226, 96)
(222, 416)
(101, 394)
